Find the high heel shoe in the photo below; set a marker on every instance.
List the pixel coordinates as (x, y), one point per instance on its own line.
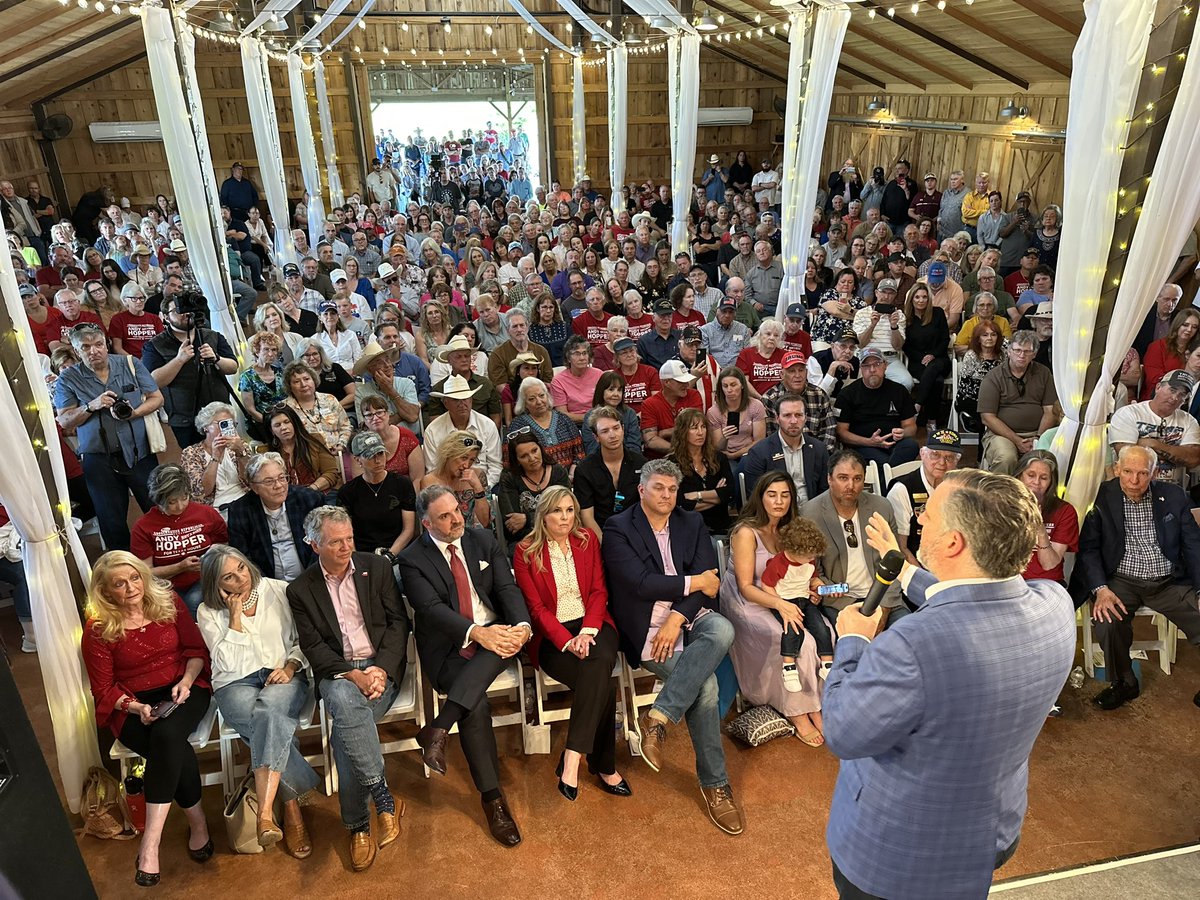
(269, 833)
(204, 854)
(620, 789)
(144, 879)
(571, 793)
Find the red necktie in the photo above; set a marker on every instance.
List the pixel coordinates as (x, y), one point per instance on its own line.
(463, 585)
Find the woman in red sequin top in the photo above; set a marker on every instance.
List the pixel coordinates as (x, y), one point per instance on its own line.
(141, 647)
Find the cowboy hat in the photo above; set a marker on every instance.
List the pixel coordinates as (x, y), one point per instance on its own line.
(456, 388)
(458, 342)
(372, 352)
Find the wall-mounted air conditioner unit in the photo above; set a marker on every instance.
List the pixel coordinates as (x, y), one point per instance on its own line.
(121, 132)
(724, 115)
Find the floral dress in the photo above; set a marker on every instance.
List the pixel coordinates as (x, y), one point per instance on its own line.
(826, 326)
(265, 393)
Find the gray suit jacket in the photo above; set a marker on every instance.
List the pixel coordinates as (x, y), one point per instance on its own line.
(833, 564)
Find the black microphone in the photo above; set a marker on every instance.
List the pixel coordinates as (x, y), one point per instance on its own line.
(886, 571)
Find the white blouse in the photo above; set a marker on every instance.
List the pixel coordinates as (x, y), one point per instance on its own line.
(267, 640)
(346, 351)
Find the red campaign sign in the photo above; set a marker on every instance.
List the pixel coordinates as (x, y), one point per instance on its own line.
(636, 331)
(174, 541)
(636, 392)
(766, 371)
(140, 332)
(597, 334)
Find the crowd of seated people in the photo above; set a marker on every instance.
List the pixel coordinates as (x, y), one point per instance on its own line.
(480, 385)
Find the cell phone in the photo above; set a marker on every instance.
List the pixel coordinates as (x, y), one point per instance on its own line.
(733, 418)
(163, 708)
(701, 356)
(884, 309)
(227, 427)
(824, 590)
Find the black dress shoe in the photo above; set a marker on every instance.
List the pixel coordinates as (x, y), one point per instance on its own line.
(204, 854)
(500, 822)
(432, 742)
(568, 791)
(145, 879)
(1116, 695)
(620, 789)
(1196, 699)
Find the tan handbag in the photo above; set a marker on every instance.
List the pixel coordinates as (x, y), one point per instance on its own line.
(155, 435)
(241, 817)
(103, 808)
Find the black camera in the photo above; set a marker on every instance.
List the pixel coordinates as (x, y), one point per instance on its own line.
(121, 409)
(191, 303)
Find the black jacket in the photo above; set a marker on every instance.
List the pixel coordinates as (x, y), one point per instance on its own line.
(767, 456)
(249, 532)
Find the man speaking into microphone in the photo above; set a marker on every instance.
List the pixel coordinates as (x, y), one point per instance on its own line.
(935, 718)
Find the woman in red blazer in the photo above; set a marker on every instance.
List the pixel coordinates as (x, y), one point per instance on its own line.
(559, 571)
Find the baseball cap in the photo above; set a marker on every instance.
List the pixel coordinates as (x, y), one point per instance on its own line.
(944, 439)
(849, 336)
(871, 353)
(1044, 310)
(664, 307)
(888, 284)
(1033, 251)
(1179, 380)
(288, 271)
(727, 303)
(623, 344)
(895, 257)
(515, 245)
(28, 290)
(675, 370)
(795, 311)
(929, 175)
(177, 247)
(936, 273)
(793, 358)
(367, 444)
(327, 307)
(691, 335)
(1024, 195)
(878, 170)
(338, 275)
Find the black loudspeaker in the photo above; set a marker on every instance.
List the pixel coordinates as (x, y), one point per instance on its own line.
(38, 853)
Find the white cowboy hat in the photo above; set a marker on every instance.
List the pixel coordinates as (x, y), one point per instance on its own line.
(456, 388)
(458, 342)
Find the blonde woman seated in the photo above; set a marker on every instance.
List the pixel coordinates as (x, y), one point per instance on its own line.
(270, 318)
(260, 684)
(456, 468)
(143, 653)
(559, 570)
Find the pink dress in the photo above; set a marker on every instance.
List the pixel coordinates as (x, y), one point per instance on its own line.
(755, 649)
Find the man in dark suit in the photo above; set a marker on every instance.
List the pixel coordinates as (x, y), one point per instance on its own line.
(268, 523)
(354, 632)
(662, 585)
(1138, 545)
(470, 621)
(789, 450)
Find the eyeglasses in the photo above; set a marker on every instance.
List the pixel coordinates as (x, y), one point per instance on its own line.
(851, 536)
(273, 482)
(375, 414)
(517, 433)
(395, 279)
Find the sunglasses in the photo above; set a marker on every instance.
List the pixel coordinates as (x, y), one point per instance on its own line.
(472, 442)
(851, 536)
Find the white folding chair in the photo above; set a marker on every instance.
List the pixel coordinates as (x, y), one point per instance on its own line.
(871, 480)
(1165, 644)
(636, 702)
(742, 492)
(201, 738)
(891, 473)
(545, 687)
(307, 724)
(722, 557)
(508, 685)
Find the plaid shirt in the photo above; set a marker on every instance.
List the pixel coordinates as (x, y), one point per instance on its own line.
(819, 421)
(1143, 557)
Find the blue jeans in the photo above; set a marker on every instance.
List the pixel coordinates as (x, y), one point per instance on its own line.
(13, 573)
(355, 741)
(266, 716)
(904, 450)
(690, 690)
(245, 297)
(110, 492)
(192, 598)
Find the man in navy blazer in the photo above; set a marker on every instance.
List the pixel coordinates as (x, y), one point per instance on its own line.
(934, 719)
(470, 620)
(261, 522)
(789, 450)
(662, 588)
(1139, 544)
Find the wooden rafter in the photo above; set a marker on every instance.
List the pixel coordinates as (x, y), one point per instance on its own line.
(55, 56)
(1001, 36)
(887, 69)
(1056, 19)
(906, 53)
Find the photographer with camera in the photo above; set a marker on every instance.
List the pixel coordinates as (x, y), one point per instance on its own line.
(105, 404)
(189, 363)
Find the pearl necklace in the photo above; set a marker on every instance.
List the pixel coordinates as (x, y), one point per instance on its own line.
(251, 599)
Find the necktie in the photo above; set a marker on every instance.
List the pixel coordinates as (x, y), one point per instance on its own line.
(462, 585)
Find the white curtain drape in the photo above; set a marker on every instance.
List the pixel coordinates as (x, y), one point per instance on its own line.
(55, 614)
(366, 8)
(306, 147)
(328, 17)
(618, 122)
(1170, 209)
(264, 123)
(806, 118)
(336, 196)
(585, 21)
(185, 141)
(537, 26)
(683, 98)
(578, 121)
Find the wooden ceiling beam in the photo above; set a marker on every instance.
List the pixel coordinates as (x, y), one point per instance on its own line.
(1071, 26)
(948, 45)
(728, 54)
(887, 69)
(906, 53)
(54, 56)
(1000, 36)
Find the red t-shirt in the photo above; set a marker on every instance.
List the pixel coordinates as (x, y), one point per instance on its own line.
(1017, 283)
(657, 413)
(1061, 528)
(45, 332)
(640, 385)
(71, 462)
(799, 341)
(763, 374)
(166, 540)
(585, 325)
(47, 276)
(639, 326)
(692, 317)
(64, 334)
(134, 331)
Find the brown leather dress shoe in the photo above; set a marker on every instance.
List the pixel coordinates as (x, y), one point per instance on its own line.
(296, 839)
(432, 742)
(500, 822)
(389, 825)
(362, 850)
(654, 737)
(722, 808)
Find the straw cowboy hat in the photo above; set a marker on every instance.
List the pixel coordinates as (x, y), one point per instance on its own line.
(456, 388)
(371, 353)
(458, 342)
(526, 358)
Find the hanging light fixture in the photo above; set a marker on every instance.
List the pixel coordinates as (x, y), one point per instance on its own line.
(1012, 111)
(706, 22)
(876, 104)
(662, 23)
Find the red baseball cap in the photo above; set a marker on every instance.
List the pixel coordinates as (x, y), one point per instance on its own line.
(794, 358)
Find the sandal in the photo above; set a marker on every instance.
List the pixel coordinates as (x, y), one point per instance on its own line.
(813, 739)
